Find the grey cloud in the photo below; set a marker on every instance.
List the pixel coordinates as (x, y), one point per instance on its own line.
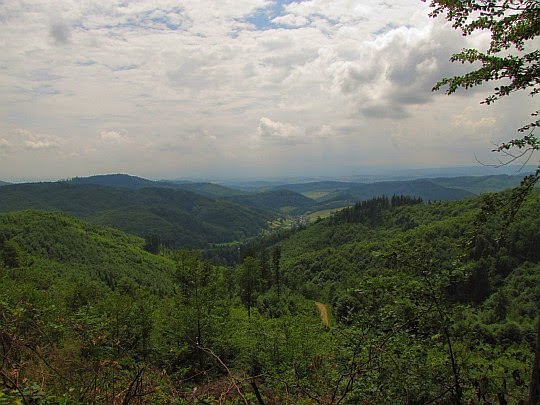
(413, 98)
(61, 33)
(121, 68)
(384, 110)
(281, 132)
(43, 75)
(5, 145)
(45, 90)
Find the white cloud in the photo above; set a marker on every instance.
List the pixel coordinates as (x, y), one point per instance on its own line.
(117, 137)
(291, 20)
(276, 129)
(474, 123)
(5, 145)
(193, 79)
(32, 140)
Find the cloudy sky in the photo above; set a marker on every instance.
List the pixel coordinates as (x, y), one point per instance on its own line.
(240, 88)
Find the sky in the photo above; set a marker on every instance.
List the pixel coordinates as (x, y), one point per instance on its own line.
(237, 88)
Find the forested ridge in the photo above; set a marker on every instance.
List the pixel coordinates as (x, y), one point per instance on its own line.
(430, 302)
(180, 217)
(198, 214)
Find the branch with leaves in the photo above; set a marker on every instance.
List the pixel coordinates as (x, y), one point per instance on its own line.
(511, 59)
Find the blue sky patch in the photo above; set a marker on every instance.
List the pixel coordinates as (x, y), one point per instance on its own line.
(262, 18)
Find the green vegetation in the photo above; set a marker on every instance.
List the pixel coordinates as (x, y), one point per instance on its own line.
(480, 184)
(179, 217)
(429, 302)
(284, 201)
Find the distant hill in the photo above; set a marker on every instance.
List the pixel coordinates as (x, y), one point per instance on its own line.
(480, 184)
(284, 201)
(120, 180)
(4, 183)
(425, 189)
(179, 217)
(317, 186)
(211, 190)
(133, 182)
(328, 191)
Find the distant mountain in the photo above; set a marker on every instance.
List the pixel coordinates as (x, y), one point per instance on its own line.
(480, 184)
(4, 183)
(179, 217)
(425, 189)
(284, 201)
(335, 194)
(211, 190)
(319, 186)
(120, 180)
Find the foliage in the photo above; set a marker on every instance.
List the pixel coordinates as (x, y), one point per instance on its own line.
(179, 217)
(418, 315)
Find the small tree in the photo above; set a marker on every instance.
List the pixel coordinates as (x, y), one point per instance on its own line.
(250, 279)
(11, 254)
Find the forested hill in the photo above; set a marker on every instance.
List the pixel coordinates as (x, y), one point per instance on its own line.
(336, 249)
(54, 247)
(284, 201)
(179, 217)
(120, 180)
(88, 316)
(210, 190)
(429, 189)
(316, 186)
(480, 184)
(424, 189)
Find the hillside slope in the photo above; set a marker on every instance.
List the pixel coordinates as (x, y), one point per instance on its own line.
(284, 201)
(119, 181)
(179, 217)
(54, 245)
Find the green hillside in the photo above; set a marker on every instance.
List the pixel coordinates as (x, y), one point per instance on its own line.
(54, 245)
(480, 184)
(339, 194)
(284, 201)
(210, 190)
(179, 217)
(425, 189)
(392, 300)
(321, 186)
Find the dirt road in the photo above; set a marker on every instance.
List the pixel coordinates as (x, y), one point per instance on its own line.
(323, 310)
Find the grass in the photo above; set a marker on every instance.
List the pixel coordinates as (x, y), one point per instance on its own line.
(323, 213)
(315, 195)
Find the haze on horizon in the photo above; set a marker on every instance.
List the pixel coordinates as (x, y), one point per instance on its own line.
(170, 89)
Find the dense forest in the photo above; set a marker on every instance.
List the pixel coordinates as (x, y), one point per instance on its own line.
(391, 300)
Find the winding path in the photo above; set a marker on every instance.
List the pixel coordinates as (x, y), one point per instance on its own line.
(323, 310)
